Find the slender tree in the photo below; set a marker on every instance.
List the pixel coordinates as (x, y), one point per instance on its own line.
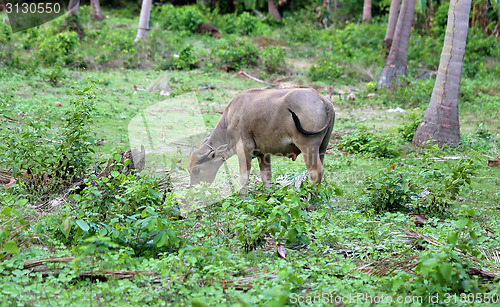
(142, 31)
(96, 10)
(73, 7)
(395, 64)
(440, 121)
(367, 10)
(391, 26)
(273, 11)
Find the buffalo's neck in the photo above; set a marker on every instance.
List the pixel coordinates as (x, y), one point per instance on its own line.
(218, 138)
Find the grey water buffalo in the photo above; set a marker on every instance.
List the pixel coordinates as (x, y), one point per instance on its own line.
(264, 122)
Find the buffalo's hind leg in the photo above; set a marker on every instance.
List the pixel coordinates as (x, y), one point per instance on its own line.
(314, 164)
(265, 169)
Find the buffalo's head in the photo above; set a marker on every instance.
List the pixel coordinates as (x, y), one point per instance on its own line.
(205, 162)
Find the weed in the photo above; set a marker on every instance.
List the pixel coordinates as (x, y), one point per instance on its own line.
(273, 59)
(234, 54)
(365, 142)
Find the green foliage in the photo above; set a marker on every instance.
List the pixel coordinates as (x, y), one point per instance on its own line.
(122, 207)
(234, 54)
(47, 164)
(185, 18)
(12, 221)
(187, 58)
(363, 141)
(273, 59)
(427, 191)
(324, 71)
(59, 49)
(445, 270)
(413, 119)
(440, 19)
(280, 214)
(411, 94)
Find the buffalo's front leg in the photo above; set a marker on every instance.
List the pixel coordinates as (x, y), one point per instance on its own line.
(265, 169)
(245, 163)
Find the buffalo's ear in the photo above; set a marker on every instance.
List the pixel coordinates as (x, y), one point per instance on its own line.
(221, 150)
(209, 155)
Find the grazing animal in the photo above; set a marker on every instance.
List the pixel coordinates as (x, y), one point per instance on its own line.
(264, 122)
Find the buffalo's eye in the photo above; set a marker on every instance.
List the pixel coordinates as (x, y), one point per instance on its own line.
(196, 171)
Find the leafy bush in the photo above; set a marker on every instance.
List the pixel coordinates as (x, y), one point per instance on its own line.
(12, 222)
(273, 59)
(187, 58)
(407, 130)
(325, 71)
(280, 214)
(445, 270)
(122, 207)
(411, 94)
(60, 48)
(392, 192)
(365, 142)
(404, 191)
(234, 54)
(45, 164)
(184, 18)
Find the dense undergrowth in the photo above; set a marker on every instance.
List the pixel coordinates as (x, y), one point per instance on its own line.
(390, 221)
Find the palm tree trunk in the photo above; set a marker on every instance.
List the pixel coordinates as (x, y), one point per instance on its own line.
(272, 10)
(96, 10)
(395, 64)
(142, 31)
(391, 26)
(367, 11)
(440, 121)
(73, 7)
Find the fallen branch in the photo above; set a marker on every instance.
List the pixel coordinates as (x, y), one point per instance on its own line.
(245, 74)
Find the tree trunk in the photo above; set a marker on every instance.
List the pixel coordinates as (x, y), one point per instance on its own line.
(96, 10)
(440, 121)
(391, 26)
(142, 31)
(73, 7)
(273, 11)
(395, 64)
(367, 11)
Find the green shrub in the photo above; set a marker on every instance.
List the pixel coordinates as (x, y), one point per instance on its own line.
(390, 193)
(273, 59)
(60, 48)
(363, 141)
(413, 119)
(234, 54)
(187, 58)
(445, 270)
(424, 191)
(49, 158)
(411, 94)
(325, 71)
(185, 18)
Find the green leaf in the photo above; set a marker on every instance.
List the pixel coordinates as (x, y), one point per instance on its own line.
(83, 225)
(452, 238)
(11, 247)
(292, 234)
(6, 211)
(462, 223)
(115, 173)
(446, 270)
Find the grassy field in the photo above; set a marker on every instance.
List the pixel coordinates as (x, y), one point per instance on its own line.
(391, 223)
